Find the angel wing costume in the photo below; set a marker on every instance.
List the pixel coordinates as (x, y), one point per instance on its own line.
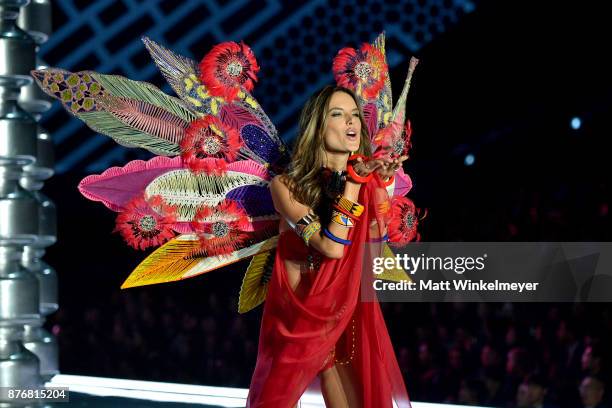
(204, 201)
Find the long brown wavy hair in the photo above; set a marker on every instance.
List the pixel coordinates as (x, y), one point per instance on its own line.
(302, 175)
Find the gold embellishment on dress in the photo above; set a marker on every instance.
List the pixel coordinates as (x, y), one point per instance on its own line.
(350, 358)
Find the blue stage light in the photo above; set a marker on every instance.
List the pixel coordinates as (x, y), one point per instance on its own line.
(469, 159)
(576, 123)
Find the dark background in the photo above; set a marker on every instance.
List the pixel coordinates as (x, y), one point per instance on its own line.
(500, 80)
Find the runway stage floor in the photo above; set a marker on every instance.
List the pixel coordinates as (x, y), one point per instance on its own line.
(98, 392)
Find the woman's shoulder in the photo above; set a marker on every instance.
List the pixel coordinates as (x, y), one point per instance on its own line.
(279, 190)
(282, 189)
(279, 182)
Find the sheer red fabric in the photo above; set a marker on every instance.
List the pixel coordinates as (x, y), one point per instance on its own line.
(299, 333)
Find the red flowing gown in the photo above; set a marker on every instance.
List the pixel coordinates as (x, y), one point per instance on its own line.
(298, 334)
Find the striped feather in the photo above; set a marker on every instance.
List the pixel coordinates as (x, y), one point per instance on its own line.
(174, 67)
(250, 104)
(264, 242)
(146, 117)
(174, 261)
(399, 111)
(249, 167)
(236, 117)
(168, 263)
(255, 282)
(189, 191)
(385, 97)
(130, 112)
(142, 91)
(106, 123)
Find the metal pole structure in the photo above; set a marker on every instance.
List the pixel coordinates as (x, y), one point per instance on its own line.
(19, 209)
(35, 19)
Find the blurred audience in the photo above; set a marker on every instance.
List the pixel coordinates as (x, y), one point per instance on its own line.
(592, 392)
(547, 363)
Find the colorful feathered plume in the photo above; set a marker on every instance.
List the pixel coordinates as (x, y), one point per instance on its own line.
(204, 199)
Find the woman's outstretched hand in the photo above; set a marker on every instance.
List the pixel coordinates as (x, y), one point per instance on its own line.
(385, 166)
(389, 166)
(364, 168)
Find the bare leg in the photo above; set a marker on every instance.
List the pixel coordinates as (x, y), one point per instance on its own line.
(331, 387)
(350, 385)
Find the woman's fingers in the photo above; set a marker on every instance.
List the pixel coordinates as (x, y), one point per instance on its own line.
(386, 166)
(372, 166)
(364, 169)
(397, 163)
(390, 166)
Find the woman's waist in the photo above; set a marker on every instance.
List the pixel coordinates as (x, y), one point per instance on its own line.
(293, 247)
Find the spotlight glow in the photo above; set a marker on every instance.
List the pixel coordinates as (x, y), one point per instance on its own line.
(576, 123)
(469, 159)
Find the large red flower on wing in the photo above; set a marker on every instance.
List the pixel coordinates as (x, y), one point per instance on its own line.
(363, 70)
(146, 223)
(404, 221)
(209, 144)
(228, 67)
(221, 229)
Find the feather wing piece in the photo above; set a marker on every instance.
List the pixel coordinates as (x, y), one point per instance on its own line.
(179, 259)
(232, 138)
(255, 283)
(133, 113)
(242, 111)
(117, 186)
